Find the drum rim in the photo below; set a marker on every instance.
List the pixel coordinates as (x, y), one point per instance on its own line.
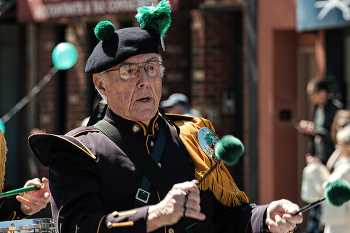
(27, 224)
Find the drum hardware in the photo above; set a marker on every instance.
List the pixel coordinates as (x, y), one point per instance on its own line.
(39, 225)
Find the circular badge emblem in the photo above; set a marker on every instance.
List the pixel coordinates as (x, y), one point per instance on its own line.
(207, 140)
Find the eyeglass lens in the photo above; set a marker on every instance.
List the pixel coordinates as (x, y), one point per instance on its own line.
(131, 70)
(343, 126)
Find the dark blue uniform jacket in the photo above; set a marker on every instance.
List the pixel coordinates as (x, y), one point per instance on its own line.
(91, 177)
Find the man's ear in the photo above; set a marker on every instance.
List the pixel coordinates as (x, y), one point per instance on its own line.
(99, 84)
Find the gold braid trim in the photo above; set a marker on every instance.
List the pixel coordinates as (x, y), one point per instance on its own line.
(99, 224)
(3, 151)
(219, 181)
(12, 216)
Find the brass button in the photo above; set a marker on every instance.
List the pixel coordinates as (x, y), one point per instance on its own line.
(115, 214)
(109, 225)
(152, 143)
(136, 128)
(159, 164)
(171, 230)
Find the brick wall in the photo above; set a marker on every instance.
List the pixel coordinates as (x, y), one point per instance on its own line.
(46, 100)
(76, 78)
(217, 62)
(177, 59)
(216, 66)
(245, 87)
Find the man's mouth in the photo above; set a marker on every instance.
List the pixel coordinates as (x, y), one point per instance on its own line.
(145, 99)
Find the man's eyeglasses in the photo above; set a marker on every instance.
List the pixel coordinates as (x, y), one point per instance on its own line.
(311, 93)
(343, 126)
(128, 71)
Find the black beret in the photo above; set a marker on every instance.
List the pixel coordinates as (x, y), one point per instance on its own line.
(124, 43)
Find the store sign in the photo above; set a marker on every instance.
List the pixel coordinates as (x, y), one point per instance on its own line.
(322, 14)
(43, 10)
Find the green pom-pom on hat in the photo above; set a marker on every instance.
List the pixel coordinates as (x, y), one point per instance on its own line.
(104, 30)
(155, 17)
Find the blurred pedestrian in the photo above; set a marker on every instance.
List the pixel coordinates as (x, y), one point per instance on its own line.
(341, 120)
(319, 130)
(178, 103)
(37, 131)
(336, 219)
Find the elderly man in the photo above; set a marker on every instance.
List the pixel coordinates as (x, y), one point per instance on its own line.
(137, 169)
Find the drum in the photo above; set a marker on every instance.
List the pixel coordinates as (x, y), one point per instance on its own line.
(28, 225)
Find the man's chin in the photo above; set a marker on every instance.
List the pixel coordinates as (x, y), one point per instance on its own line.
(145, 115)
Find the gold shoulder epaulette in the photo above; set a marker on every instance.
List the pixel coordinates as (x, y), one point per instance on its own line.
(219, 181)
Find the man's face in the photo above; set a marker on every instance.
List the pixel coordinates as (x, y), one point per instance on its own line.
(137, 98)
(313, 94)
(342, 122)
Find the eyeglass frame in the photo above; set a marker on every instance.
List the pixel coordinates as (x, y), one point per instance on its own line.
(343, 125)
(160, 63)
(312, 93)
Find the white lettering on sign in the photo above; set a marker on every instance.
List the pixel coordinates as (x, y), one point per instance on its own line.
(39, 12)
(127, 5)
(87, 7)
(99, 7)
(327, 6)
(115, 6)
(82, 8)
(64, 9)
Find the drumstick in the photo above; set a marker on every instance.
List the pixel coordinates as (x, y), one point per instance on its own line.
(21, 190)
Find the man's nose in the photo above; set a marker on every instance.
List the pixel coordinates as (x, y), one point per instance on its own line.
(143, 78)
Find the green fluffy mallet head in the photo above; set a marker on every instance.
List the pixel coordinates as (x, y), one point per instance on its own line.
(104, 30)
(229, 149)
(155, 17)
(337, 192)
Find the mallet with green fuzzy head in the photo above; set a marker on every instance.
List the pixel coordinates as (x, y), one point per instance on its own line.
(336, 193)
(228, 150)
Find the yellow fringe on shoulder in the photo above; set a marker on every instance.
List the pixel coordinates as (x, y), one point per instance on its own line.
(3, 151)
(219, 181)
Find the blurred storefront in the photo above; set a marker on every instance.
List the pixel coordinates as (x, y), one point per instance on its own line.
(332, 19)
(296, 41)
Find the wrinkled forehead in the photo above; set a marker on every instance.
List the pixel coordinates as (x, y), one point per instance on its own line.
(310, 88)
(137, 59)
(343, 120)
(141, 58)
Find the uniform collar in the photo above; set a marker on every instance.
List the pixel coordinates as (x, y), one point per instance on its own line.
(136, 128)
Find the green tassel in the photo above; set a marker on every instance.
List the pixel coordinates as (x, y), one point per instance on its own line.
(104, 30)
(155, 17)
